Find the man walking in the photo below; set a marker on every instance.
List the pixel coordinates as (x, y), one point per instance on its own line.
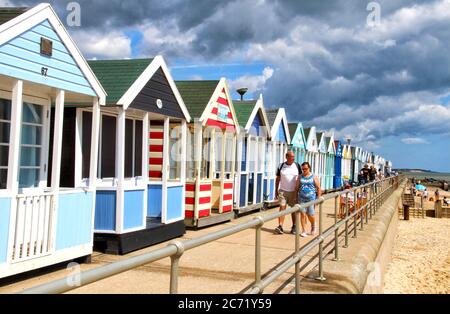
(286, 188)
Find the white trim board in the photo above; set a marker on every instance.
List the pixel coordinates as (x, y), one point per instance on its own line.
(37, 15)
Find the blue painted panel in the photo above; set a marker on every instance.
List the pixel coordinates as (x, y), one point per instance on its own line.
(154, 201)
(272, 189)
(133, 209)
(105, 210)
(265, 188)
(251, 185)
(281, 134)
(244, 155)
(243, 191)
(257, 126)
(259, 198)
(174, 202)
(21, 58)
(5, 209)
(74, 220)
(338, 172)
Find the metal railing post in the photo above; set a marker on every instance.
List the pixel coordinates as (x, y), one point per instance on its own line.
(355, 212)
(361, 211)
(175, 261)
(366, 209)
(297, 250)
(258, 251)
(321, 277)
(336, 232)
(346, 221)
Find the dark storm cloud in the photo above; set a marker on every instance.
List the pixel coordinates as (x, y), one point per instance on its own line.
(330, 68)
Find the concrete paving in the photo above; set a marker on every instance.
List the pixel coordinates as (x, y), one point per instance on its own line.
(224, 266)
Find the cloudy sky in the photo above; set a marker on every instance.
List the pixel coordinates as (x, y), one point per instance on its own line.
(382, 79)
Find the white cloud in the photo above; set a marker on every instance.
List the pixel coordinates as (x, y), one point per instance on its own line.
(112, 45)
(5, 3)
(253, 83)
(414, 141)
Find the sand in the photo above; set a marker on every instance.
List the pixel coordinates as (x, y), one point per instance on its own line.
(421, 257)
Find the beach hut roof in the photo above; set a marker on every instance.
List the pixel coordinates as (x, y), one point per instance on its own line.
(307, 131)
(272, 115)
(117, 76)
(244, 110)
(7, 14)
(292, 129)
(196, 95)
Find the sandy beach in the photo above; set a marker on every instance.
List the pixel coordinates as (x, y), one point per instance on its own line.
(421, 256)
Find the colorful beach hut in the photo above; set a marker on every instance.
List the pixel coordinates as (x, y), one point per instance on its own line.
(298, 141)
(329, 162)
(346, 163)
(312, 149)
(251, 155)
(321, 161)
(337, 184)
(211, 152)
(46, 211)
(277, 148)
(142, 171)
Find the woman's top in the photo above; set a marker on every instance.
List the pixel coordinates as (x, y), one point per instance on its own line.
(307, 192)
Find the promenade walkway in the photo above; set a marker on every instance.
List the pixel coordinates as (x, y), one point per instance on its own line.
(225, 266)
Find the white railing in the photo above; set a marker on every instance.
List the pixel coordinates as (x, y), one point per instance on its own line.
(33, 227)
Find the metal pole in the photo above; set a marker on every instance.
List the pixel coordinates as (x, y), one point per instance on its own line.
(258, 252)
(321, 277)
(297, 250)
(361, 210)
(175, 261)
(346, 220)
(366, 210)
(336, 232)
(355, 210)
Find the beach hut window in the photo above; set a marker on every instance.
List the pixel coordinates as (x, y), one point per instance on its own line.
(175, 153)
(108, 147)
(5, 126)
(190, 154)
(269, 154)
(133, 148)
(244, 155)
(86, 133)
(229, 154)
(206, 157)
(31, 145)
(253, 156)
(218, 154)
(261, 156)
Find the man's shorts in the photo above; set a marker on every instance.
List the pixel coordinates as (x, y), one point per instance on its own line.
(287, 198)
(310, 211)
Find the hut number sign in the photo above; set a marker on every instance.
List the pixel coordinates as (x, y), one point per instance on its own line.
(222, 113)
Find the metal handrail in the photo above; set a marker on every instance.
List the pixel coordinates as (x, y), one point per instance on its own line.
(379, 191)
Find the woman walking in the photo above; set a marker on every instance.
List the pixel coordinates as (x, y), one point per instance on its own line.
(309, 191)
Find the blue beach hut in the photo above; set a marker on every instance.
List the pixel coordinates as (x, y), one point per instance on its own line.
(46, 211)
(338, 182)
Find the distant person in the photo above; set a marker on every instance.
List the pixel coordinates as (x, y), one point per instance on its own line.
(286, 188)
(425, 194)
(437, 196)
(446, 201)
(309, 191)
(380, 174)
(372, 174)
(366, 173)
(361, 179)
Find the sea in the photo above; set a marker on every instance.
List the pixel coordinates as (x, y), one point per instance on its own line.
(423, 175)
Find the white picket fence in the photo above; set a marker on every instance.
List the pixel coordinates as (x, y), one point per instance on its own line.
(33, 227)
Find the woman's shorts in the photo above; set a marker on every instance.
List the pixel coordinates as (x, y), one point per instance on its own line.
(310, 211)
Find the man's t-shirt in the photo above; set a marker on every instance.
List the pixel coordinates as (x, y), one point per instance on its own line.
(366, 173)
(288, 176)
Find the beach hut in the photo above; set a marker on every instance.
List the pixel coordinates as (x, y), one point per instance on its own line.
(211, 152)
(353, 164)
(46, 212)
(277, 148)
(298, 141)
(346, 163)
(312, 149)
(337, 184)
(329, 162)
(321, 160)
(251, 155)
(142, 169)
